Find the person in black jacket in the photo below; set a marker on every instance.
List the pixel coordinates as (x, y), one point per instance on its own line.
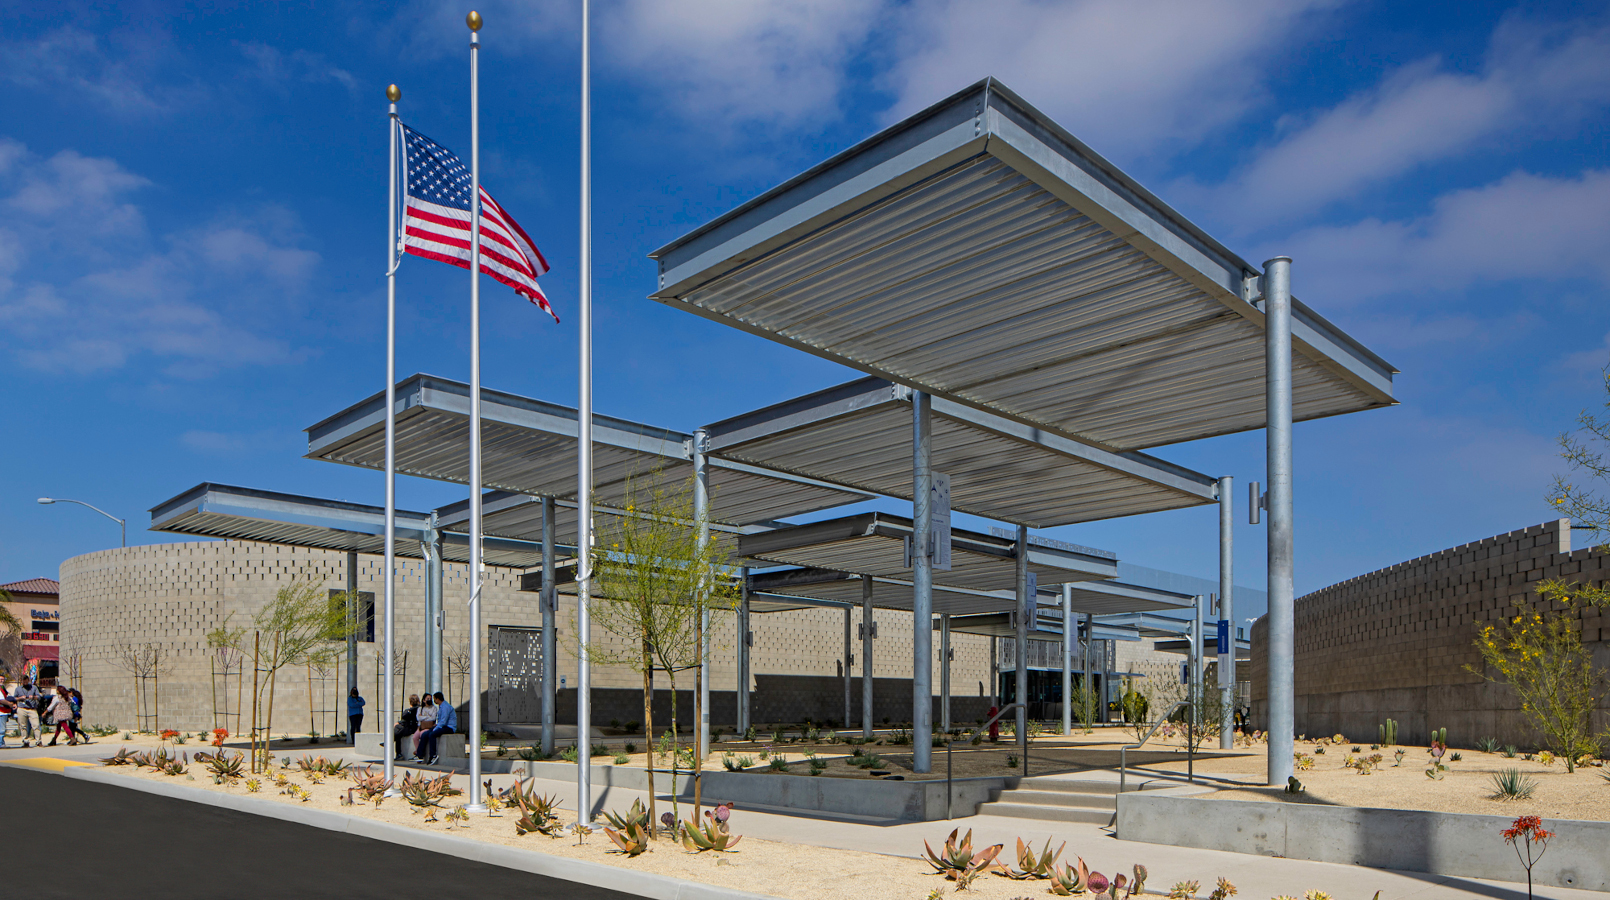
(406, 725)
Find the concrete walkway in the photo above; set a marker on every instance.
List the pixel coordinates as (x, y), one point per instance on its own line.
(1257, 877)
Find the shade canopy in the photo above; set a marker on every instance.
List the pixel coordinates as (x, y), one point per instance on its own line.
(247, 514)
(859, 434)
(529, 446)
(980, 252)
(875, 544)
(1047, 627)
(776, 589)
(519, 516)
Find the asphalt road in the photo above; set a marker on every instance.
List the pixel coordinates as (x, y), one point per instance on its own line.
(69, 838)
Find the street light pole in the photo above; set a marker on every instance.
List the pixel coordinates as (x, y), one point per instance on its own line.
(122, 526)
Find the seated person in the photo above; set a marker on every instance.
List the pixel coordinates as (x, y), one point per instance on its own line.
(406, 725)
(446, 723)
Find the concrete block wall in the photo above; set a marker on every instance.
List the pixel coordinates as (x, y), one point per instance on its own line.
(172, 595)
(1400, 642)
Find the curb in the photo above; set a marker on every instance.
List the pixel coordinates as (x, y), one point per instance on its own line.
(639, 884)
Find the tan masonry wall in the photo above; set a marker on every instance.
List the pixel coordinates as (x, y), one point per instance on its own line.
(1399, 642)
(172, 595)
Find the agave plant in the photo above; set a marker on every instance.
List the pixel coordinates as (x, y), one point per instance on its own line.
(1223, 891)
(637, 815)
(712, 834)
(225, 767)
(253, 785)
(1030, 864)
(1184, 890)
(957, 862)
(631, 838)
(121, 758)
(1070, 879)
(536, 812)
(369, 783)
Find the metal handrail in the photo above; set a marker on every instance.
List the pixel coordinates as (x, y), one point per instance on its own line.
(1124, 750)
(949, 792)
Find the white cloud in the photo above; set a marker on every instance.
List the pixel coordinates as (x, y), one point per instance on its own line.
(214, 442)
(1534, 79)
(84, 288)
(779, 62)
(1522, 226)
(1130, 74)
(280, 68)
(123, 73)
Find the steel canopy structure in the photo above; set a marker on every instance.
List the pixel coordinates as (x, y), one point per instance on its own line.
(980, 252)
(874, 544)
(859, 434)
(247, 514)
(530, 447)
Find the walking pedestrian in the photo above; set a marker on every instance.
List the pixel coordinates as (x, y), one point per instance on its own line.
(7, 708)
(354, 715)
(28, 698)
(78, 714)
(61, 713)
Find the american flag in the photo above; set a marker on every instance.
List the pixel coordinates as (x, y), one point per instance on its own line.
(436, 221)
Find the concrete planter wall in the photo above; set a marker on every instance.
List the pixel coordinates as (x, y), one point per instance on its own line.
(1453, 844)
(918, 801)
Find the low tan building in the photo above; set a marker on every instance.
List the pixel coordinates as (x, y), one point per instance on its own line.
(35, 603)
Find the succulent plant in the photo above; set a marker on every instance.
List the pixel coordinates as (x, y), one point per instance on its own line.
(536, 811)
(957, 862)
(712, 834)
(1184, 890)
(1097, 883)
(369, 783)
(1223, 891)
(253, 785)
(225, 767)
(1070, 879)
(632, 838)
(1138, 886)
(121, 758)
(1030, 864)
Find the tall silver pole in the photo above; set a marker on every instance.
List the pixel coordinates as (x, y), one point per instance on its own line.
(584, 448)
(475, 804)
(1068, 630)
(436, 621)
(354, 609)
(389, 568)
(1089, 671)
(550, 645)
(944, 673)
(849, 659)
(1277, 378)
(1024, 610)
(867, 626)
(1195, 657)
(701, 516)
(1227, 612)
(922, 578)
(743, 654)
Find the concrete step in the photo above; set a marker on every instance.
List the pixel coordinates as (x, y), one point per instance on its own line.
(1065, 799)
(1069, 786)
(1051, 813)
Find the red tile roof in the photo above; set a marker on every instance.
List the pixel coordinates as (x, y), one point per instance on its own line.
(33, 586)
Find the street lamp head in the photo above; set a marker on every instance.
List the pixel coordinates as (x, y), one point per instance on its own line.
(46, 500)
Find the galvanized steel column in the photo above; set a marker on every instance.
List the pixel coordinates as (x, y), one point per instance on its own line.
(867, 624)
(1023, 612)
(701, 516)
(743, 653)
(1089, 674)
(549, 600)
(849, 659)
(1067, 659)
(1195, 657)
(434, 621)
(1277, 378)
(354, 609)
(944, 673)
(922, 579)
(1227, 612)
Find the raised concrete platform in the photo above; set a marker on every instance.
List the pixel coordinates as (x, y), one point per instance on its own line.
(1455, 844)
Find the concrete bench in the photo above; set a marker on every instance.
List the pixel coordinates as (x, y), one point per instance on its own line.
(451, 747)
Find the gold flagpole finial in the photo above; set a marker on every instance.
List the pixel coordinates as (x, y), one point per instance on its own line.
(473, 20)
(393, 93)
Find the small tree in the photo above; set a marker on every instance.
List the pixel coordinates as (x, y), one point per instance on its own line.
(1584, 451)
(652, 588)
(228, 655)
(305, 624)
(147, 663)
(1540, 655)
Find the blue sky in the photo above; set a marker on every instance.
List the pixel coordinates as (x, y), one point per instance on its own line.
(192, 204)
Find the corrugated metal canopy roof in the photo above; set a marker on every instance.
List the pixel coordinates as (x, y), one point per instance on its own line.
(529, 446)
(859, 434)
(1048, 627)
(246, 514)
(780, 586)
(874, 544)
(520, 516)
(980, 252)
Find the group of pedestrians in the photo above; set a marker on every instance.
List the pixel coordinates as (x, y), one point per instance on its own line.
(62, 707)
(424, 721)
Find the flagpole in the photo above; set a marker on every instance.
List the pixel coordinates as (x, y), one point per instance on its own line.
(474, 741)
(393, 94)
(584, 449)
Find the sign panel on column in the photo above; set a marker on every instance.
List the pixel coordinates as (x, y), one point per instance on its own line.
(939, 517)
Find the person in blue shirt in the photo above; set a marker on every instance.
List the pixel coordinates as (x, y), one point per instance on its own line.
(354, 715)
(446, 723)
